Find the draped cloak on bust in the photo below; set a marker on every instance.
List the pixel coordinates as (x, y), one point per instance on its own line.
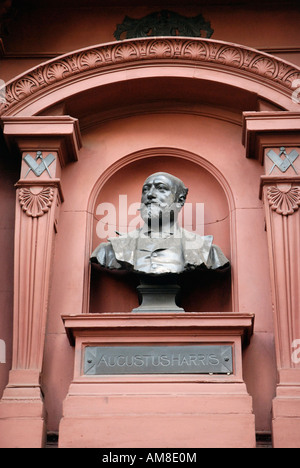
(173, 252)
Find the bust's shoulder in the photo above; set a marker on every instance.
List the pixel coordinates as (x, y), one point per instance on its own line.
(194, 237)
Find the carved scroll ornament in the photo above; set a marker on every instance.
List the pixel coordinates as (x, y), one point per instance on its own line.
(284, 202)
(36, 201)
(163, 23)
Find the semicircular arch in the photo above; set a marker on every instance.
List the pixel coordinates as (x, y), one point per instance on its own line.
(200, 59)
(162, 152)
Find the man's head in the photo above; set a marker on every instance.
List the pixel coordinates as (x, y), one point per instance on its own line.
(163, 196)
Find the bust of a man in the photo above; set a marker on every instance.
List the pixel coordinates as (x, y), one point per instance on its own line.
(161, 246)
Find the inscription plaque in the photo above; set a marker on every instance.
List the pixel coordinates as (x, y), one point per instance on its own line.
(184, 359)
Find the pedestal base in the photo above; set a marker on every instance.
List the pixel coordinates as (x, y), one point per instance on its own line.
(286, 430)
(160, 415)
(286, 410)
(158, 410)
(28, 431)
(22, 413)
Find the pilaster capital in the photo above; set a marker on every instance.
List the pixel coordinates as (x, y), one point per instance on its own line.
(266, 130)
(40, 185)
(282, 193)
(38, 134)
(284, 201)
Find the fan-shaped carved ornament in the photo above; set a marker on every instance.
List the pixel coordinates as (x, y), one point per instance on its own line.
(37, 204)
(284, 202)
(131, 53)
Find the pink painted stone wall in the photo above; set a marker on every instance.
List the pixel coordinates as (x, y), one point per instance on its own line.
(259, 25)
(9, 174)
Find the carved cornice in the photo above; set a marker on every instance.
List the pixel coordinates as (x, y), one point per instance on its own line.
(99, 59)
(262, 130)
(59, 134)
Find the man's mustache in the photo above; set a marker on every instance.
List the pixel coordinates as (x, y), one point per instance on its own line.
(159, 204)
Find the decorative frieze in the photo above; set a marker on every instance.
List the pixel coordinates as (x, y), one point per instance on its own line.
(103, 58)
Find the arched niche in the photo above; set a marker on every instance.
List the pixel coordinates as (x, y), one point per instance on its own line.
(208, 210)
(218, 79)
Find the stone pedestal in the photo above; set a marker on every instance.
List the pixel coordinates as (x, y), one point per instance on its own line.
(158, 298)
(143, 409)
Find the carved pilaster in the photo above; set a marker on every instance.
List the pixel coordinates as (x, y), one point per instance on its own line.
(46, 146)
(37, 210)
(282, 200)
